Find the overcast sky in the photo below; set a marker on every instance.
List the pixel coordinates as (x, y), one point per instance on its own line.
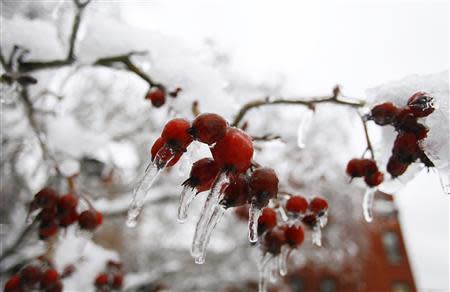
(315, 44)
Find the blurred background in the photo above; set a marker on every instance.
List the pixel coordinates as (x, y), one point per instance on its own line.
(97, 125)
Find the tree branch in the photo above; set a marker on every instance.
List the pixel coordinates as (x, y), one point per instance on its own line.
(18, 242)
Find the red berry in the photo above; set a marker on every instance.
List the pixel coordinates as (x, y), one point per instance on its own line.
(30, 275)
(318, 205)
(237, 192)
(395, 167)
(297, 204)
(374, 179)
(68, 217)
(176, 134)
(202, 175)
(101, 280)
(47, 230)
(234, 151)
(88, 219)
(383, 114)
(310, 220)
(56, 287)
(421, 104)
(241, 213)
(267, 220)
(208, 128)
(98, 218)
(67, 202)
(117, 281)
(166, 153)
(273, 240)
(49, 278)
(406, 148)
(294, 235)
(47, 215)
(263, 186)
(46, 198)
(405, 121)
(13, 284)
(361, 167)
(157, 96)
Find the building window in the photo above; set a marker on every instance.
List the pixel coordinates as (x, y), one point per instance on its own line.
(391, 245)
(297, 283)
(327, 285)
(400, 287)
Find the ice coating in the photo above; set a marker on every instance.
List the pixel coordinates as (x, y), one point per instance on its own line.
(264, 270)
(206, 224)
(368, 204)
(187, 195)
(254, 212)
(317, 235)
(215, 218)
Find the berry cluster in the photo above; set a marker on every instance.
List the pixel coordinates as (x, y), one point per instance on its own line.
(111, 279)
(157, 95)
(366, 168)
(37, 276)
(55, 211)
(411, 132)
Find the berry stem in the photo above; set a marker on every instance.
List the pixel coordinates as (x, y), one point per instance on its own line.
(369, 147)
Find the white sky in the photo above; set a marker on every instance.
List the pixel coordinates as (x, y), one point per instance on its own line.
(315, 44)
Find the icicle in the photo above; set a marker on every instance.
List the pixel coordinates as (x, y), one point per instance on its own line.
(186, 197)
(215, 218)
(283, 260)
(253, 214)
(283, 214)
(303, 127)
(273, 270)
(205, 224)
(323, 219)
(317, 235)
(31, 216)
(368, 204)
(152, 172)
(263, 268)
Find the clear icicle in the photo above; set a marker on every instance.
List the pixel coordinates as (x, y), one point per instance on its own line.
(368, 204)
(303, 127)
(283, 260)
(283, 214)
(317, 235)
(186, 197)
(253, 214)
(323, 220)
(215, 218)
(263, 269)
(273, 270)
(141, 191)
(204, 224)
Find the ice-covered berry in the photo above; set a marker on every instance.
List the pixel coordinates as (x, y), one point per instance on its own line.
(208, 128)
(176, 134)
(234, 151)
(318, 205)
(267, 220)
(361, 167)
(237, 192)
(49, 278)
(263, 186)
(374, 179)
(47, 229)
(406, 148)
(30, 275)
(297, 204)
(166, 154)
(14, 284)
(202, 175)
(101, 280)
(90, 219)
(273, 240)
(46, 198)
(383, 114)
(294, 235)
(395, 167)
(157, 96)
(421, 104)
(117, 281)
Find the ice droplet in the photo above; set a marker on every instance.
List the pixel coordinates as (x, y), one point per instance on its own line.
(317, 235)
(253, 214)
(303, 127)
(151, 173)
(367, 204)
(264, 266)
(283, 260)
(186, 197)
(206, 223)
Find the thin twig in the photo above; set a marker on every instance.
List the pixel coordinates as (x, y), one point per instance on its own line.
(366, 133)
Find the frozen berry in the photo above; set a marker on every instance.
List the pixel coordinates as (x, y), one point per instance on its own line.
(383, 114)
(202, 175)
(117, 281)
(30, 275)
(49, 278)
(406, 148)
(241, 213)
(267, 220)
(56, 287)
(14, 284)
(310, 220)
(176, 134)
(374, 179)
(101, 280)
(89, 219)
(263, 186)
(208, 128)
(421, 104)
(157, 96)
(68, 217)
(234, 151)
(237, 192)
(47, 215)
(46, 198)
(297, 204)
(166, 153)
(273, 240)
(395, 167)
(318, 205)
(361, 167)
(47, 230)
(294, 235)
(67, 202)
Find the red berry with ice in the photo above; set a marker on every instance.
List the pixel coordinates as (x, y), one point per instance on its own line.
(318, 205)
(157, 96)
(267, 220)
(297, 204)
(208, 128)
(383, 114)
(263, 186)
(90, 219)
(237, 192)
(294, 235)
(202, 175)
(176, 134)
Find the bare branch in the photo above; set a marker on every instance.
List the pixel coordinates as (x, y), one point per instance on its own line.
(366, 133)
